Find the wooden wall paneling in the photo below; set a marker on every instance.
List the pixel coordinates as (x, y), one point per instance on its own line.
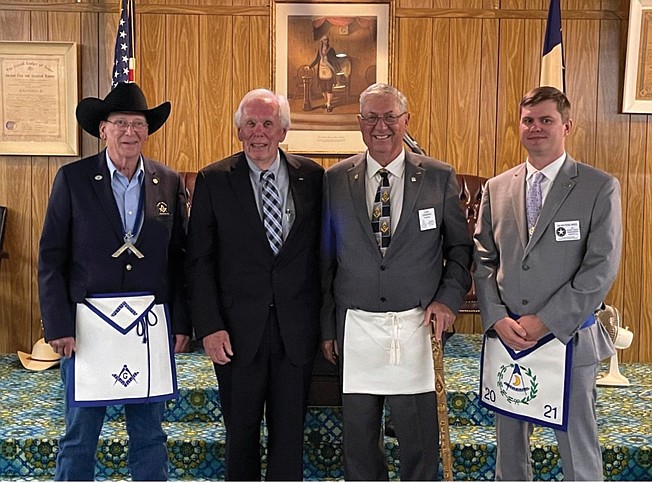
(419, 3)
(634, 263)
(240, 70)
(108, 30)
(216, 84)
(463, 122)
(510, 75)
(260, 74)
(14, 25)
(152, 72)
(327, 162)
(514, 4)
(644, 333)
(413, 73)
(88, 62)
(464, 94)
(436, 90)
(612, 156)
(581, 40)
(14, 183)
(488, 98)
(533, 35)
(182, 145)
(581, 5)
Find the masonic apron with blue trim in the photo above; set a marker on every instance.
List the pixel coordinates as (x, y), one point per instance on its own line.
(124, 352)
(532, 385)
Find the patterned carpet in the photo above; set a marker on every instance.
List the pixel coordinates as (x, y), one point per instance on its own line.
(31, 421)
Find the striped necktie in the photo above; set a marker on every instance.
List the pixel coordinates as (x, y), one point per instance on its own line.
(380, 218)
(272, 217)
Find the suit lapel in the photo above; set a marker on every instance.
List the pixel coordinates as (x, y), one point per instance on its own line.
(240, 182)
(100, 180)
(299, 193)
(412, 187)
(356, 176)
(559, 191)
(517, 196)
(153, 204)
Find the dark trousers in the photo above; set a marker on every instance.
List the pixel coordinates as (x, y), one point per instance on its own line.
(415, 421)
(271, 385)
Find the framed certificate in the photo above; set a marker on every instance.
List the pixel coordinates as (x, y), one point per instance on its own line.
(39, 93)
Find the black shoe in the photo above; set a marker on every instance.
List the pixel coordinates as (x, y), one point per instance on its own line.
(329, 109)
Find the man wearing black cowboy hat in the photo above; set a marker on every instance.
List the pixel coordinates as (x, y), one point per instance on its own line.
(110, 268)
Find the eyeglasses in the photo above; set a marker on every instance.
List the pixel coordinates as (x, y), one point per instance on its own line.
(388, 119)
(122, 125)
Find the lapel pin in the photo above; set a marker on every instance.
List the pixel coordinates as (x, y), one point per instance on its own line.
(300, 178)
(355, 176)
(98, 177)
(413, 179)
(162, 208)
(155, 180)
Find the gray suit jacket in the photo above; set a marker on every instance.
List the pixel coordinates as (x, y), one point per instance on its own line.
(562, 282)
(419, 267)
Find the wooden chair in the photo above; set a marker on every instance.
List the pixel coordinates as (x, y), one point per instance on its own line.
(342, 85)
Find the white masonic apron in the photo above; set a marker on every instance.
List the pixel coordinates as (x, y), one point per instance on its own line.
(124, 352)
(532, 385)
(387, 353)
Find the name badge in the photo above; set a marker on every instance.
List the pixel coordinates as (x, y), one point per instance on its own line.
(427, 219)
(567, 230)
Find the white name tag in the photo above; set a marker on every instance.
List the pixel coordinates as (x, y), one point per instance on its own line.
(567, 230)
(427, 219)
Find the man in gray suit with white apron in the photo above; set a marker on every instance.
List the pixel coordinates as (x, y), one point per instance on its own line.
(548, 243)
(395, 261)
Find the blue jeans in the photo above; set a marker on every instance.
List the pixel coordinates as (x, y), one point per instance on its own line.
(148, 457)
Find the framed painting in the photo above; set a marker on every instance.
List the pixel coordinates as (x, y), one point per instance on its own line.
(637, 91)
(324, 55)
(38, 91)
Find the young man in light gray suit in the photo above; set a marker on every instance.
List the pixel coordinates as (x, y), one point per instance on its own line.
(547, 275)
(385, 284)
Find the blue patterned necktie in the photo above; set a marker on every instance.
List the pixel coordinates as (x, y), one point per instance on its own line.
(272, 216)
(380, 216)
(533, 201)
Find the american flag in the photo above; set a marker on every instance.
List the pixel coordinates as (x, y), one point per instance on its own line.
(125, 62)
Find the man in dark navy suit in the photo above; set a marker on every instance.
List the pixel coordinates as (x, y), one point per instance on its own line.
(114, 225)
(254, 287)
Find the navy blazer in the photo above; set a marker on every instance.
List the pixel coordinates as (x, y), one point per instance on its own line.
(83, 229)
(233, 275)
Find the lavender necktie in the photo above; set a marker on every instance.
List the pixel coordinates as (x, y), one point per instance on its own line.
(533, 201)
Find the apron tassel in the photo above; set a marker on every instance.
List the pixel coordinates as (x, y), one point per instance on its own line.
(395, 352)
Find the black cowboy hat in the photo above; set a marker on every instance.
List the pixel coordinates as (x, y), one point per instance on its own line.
(125, 97)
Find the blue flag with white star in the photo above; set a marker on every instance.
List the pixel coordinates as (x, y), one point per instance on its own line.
(125, 61)
(553, 67)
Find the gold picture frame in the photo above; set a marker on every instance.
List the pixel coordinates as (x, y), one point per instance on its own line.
(359, 35)
(637, 91)
(38, 95)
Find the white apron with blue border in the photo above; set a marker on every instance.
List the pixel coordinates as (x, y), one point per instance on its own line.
(531, 385)
(124, 352)
(387, 353)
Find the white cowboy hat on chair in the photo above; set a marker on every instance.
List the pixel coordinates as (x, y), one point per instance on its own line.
(42, 357)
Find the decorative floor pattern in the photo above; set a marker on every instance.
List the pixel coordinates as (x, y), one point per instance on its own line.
(31, 421)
